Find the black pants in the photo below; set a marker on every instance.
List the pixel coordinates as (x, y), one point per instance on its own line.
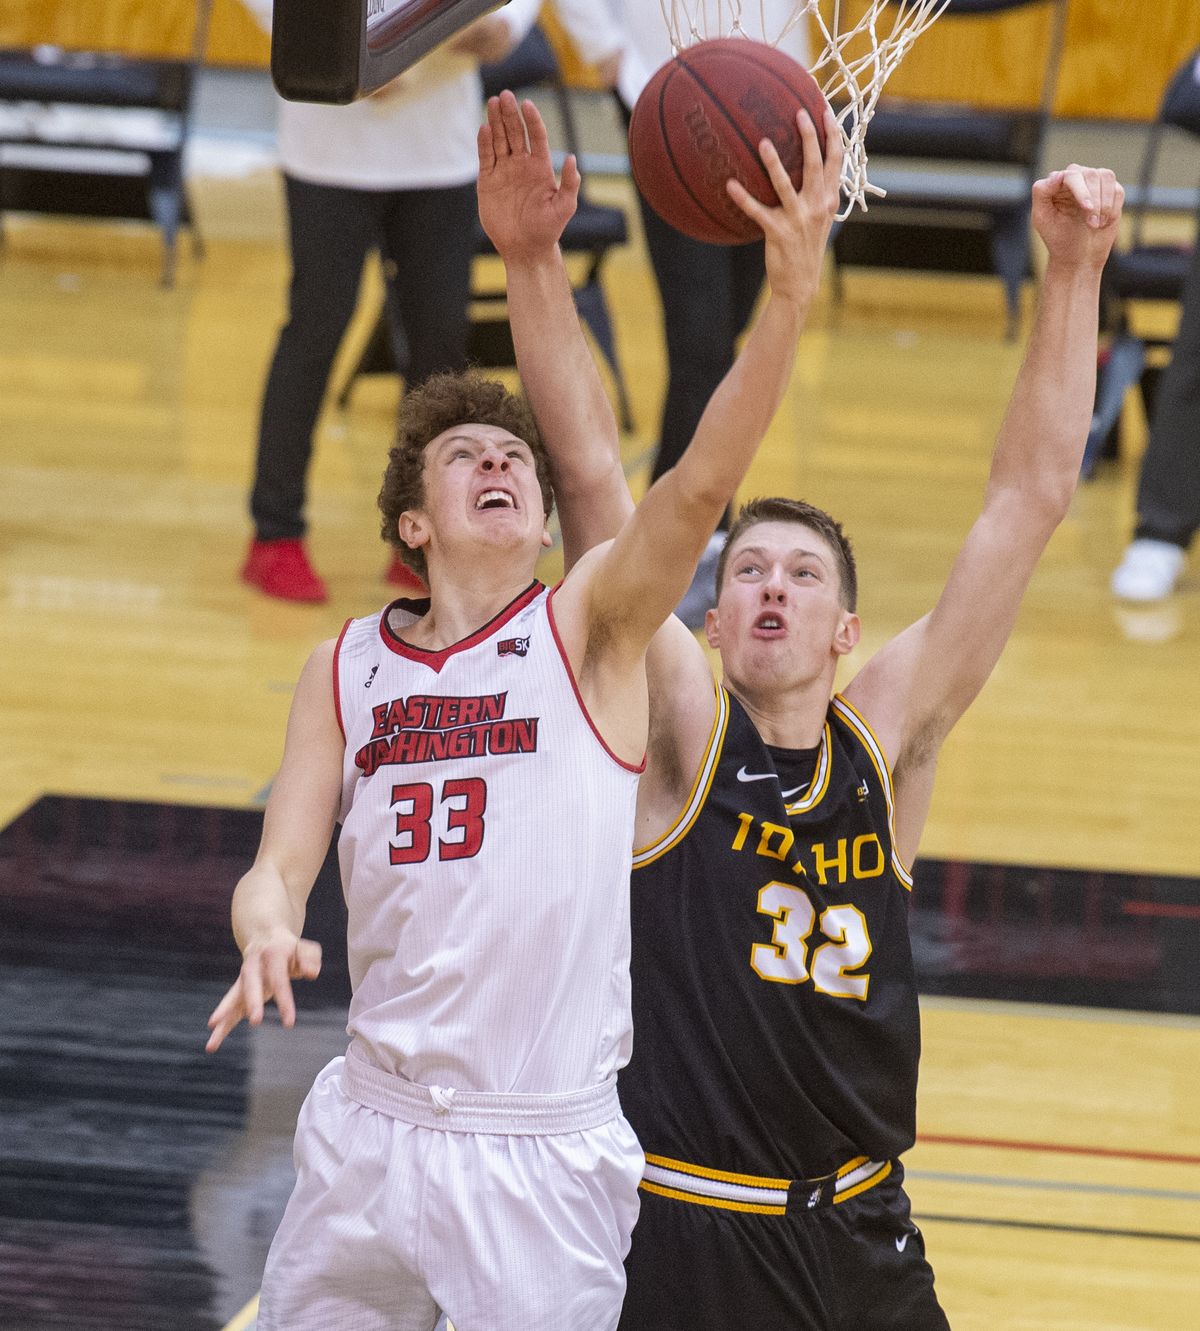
(856, 1266)
(1168, 502)
(427, 238)
(708, 294)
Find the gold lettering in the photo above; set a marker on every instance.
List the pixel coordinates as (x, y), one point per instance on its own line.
(867, 839)
(786, 839)
(745, 823)
(822, 862)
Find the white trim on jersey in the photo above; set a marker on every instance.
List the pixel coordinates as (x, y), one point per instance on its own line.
(674, 834)
(858, 723)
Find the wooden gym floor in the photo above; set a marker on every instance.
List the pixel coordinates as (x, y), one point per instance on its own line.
(145, 689)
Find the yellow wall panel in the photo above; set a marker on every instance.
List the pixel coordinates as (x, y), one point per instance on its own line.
(135, 27)
(1117, 60)
(1117, 57)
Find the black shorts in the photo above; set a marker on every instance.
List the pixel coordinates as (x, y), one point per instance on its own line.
(857, 1265)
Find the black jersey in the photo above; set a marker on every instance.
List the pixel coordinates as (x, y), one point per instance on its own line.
(776, 1030)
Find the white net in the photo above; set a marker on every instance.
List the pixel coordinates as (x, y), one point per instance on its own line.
(854, 58)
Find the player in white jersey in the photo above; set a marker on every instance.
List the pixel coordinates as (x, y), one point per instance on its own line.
(481, 750)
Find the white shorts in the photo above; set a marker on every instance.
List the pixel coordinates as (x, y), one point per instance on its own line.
(507, 1213)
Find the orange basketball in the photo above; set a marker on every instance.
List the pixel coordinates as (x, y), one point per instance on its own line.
(699, 121)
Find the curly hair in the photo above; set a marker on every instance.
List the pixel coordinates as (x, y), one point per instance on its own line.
(429, 410)
(805, 515)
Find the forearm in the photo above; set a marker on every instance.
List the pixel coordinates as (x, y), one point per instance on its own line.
(1040, 445)
(741, 410)
(263, 904)
(677, 516)
(568, 398)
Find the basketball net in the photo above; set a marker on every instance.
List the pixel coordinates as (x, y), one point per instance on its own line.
(854, 62)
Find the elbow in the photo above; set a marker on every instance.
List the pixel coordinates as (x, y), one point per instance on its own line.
(1051, 499)
(1044, 502)
(701, 490)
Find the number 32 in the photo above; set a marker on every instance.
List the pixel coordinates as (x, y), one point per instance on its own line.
(785, 959)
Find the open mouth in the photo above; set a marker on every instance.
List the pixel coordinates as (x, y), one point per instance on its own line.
(769, 623)
(491, 499)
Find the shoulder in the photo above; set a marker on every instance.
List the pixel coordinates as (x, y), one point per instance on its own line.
(571, 601)
(323, 653)
(687, 708)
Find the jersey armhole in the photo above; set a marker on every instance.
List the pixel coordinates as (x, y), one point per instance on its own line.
(879, 760)
(644, 855)
(337, 683)
(636, 768)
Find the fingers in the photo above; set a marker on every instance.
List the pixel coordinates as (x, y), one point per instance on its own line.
(1094, 191)
(306, 960)
(571, 178)
(252, 989)
(535, 128)
(277, 967)
(757, 212)
(226, 1015)
(514, 126)
(487, 152)
(267, 973)
(777, 173)
(835, 152)
(780, 180)
(495, 128)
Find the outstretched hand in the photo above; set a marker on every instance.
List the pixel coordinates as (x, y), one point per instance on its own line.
(1076, 212)
(797, 229)
(269, 965)
(522, 206)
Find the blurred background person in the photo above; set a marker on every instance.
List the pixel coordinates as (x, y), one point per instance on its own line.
(708, 292)
(1168, 499)
(395, 171)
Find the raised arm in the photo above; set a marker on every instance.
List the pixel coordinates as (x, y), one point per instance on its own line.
(269, 902)
(651, 562)
(916, 688)
(524, 210)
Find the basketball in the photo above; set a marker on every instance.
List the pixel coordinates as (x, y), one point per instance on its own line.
(700, 120)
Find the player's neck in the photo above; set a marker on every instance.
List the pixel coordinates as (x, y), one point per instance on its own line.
(460, 606)
(791, 718)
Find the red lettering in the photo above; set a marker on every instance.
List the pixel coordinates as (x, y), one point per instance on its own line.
(525, 734)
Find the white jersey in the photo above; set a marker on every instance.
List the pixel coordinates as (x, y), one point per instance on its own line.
(485, 855)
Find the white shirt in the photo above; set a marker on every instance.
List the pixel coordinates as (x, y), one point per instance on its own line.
(639, 29)
(485, 859)
(418, 134)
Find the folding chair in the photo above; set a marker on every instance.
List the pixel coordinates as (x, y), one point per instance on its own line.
(971, 214)
(592, 232)
(1141, 272)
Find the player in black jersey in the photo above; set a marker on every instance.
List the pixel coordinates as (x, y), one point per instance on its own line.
(776, 1032)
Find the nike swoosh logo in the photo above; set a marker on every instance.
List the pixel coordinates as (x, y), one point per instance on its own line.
(797, 790)
(902, 1243)
(743, 775)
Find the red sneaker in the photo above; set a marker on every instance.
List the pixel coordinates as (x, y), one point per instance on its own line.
(281, 568)
(400, 575)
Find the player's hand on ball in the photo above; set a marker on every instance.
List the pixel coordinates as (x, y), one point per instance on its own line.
(269, 964)
(797, 230)
(522, 207)
(1076, 212)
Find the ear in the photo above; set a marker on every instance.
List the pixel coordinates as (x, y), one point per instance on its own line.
(413, 527)
(712, 628)
(547, 539)
(849, 630)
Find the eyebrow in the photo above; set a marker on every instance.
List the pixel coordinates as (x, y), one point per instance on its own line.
(474, 439)
(758, 550)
